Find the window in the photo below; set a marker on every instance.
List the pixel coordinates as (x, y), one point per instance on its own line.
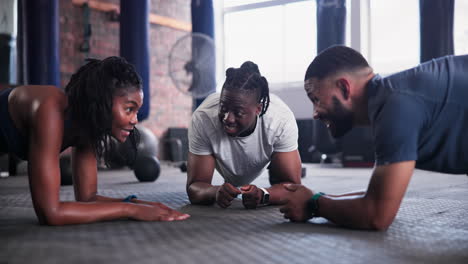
(280, 35)
(460, 33)
(231, 3)
(280, 38)
(394, 35)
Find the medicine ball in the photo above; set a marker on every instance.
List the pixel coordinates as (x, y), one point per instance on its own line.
(65, 171)
(118, 156)
(146, 168)
(148, 144)
(124, 153)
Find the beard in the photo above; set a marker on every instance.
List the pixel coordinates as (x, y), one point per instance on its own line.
(341, 120)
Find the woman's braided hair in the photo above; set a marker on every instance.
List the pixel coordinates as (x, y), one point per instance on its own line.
(90, 95)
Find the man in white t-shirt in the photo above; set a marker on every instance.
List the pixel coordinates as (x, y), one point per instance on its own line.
(240, 132)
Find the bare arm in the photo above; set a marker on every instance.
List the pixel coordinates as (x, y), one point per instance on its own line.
(354, 193)
(376, 209)
(285, 168)
(200, 169)
(379, 206)
(44, 175)
(84, 167)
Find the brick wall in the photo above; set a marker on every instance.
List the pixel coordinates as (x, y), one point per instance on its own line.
(169, 107)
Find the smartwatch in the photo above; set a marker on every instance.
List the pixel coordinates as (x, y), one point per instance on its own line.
(266, 197)
(312, 204)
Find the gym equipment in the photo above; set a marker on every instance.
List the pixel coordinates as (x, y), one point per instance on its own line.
(146, 168)
(145, 165)
(134, 44)
(65, 171)
(42, 42)
(203, 23)
(148, 144)
(118, 158)
(124, 153)
(176, 143)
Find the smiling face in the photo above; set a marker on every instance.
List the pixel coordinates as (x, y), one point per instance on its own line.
(238, 111)
(329, 107)
(125, 108)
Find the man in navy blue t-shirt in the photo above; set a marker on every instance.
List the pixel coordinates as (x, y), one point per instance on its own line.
(419, 119)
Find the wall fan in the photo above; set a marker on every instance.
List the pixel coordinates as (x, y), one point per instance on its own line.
(192, 65)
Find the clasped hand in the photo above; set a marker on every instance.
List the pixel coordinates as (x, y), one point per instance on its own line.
(295, 207)
(251, 195)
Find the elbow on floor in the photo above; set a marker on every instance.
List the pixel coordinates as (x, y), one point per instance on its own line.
(380, 224)
(50, 218)
(198, 201)
(193, 198)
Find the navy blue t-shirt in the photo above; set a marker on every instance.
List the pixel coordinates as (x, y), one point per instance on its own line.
(421, 114)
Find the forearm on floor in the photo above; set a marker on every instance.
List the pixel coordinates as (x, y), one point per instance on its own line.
(100, 198)
(67, 213)
(349, 211)
(354, 193)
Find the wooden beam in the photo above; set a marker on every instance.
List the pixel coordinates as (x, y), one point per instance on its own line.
(100, 6)
(153, 18)
(170, 22)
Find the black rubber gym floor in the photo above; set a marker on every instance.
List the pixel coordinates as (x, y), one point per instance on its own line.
(431, 226)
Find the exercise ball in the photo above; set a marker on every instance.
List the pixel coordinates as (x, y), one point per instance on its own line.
(118, 157)
(148, 144)
(65, 171)
(146, 168)
(124, 153)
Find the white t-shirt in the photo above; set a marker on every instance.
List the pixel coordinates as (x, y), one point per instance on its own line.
(240, 160)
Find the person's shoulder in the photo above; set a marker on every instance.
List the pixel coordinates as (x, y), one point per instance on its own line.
(278, 114)
(210, 102)
(278, 108)
(460, 62)
(35, 97)
(42, 92)
(39, 108)
(208, 109)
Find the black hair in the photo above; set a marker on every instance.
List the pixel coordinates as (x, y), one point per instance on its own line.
(333, 60)
(247, 78)
(90, 93)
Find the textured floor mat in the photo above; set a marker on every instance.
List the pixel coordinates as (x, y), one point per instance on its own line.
(431, 226)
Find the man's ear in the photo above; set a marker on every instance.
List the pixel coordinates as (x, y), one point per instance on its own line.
(344, 86)
(259, 109)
